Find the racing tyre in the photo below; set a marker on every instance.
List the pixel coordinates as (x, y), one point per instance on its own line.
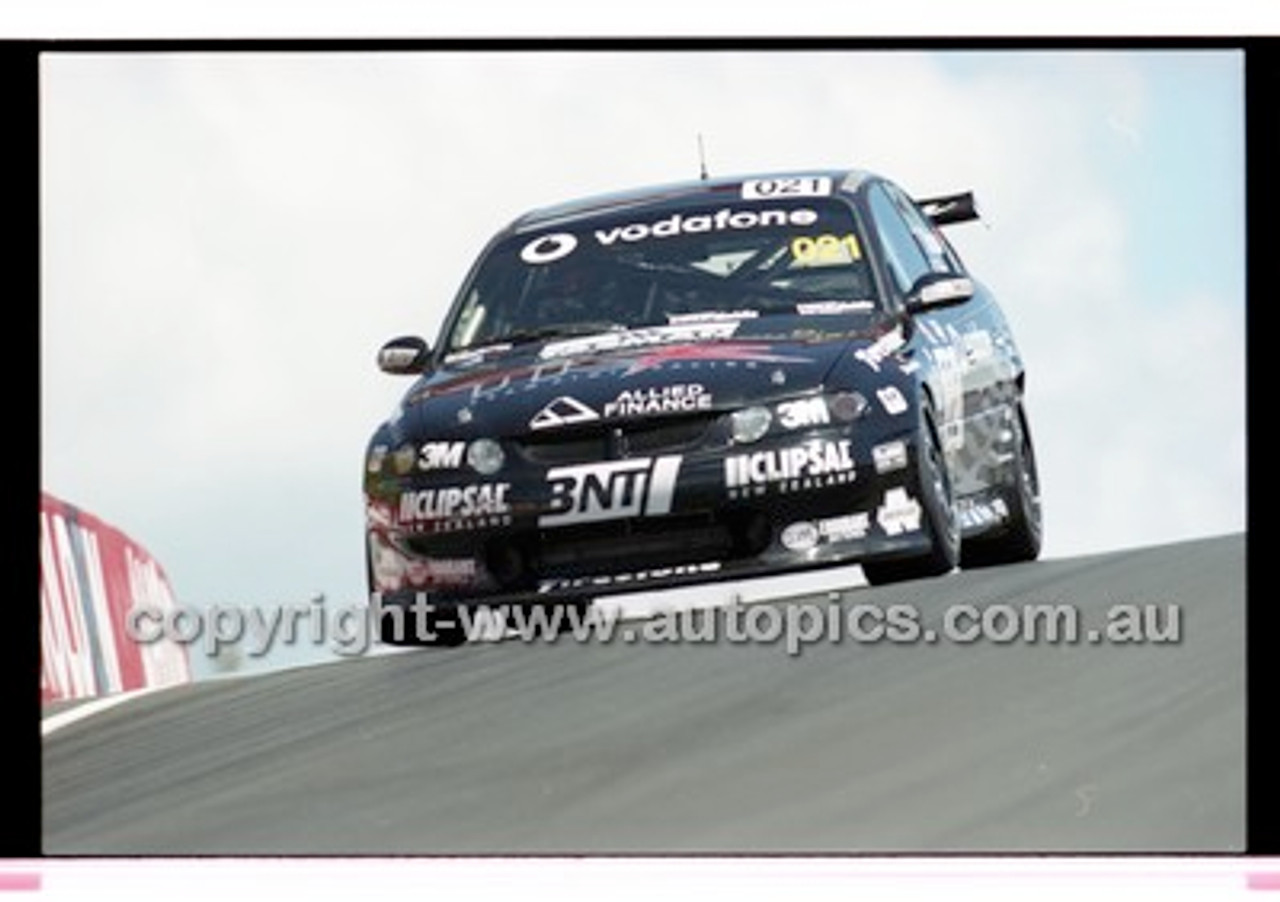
(938, 501)
(1019, 540)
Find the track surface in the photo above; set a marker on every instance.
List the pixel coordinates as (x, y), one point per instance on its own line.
(510, 748)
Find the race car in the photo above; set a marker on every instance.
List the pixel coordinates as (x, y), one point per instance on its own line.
(701, 381)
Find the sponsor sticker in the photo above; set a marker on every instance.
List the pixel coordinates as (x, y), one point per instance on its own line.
(455, 508)
(803, 413)
(874, 354)
(846, 528)
(791, 186)
(386, 564)
(800, 536)
(890, 456)
(722, 220)
(703, 316)
(612, 490)
(981, 513)
(899, 513)
(441, 455)
(640, 338)
(805, 535)
(667, 399)
(815, 464)
(605, 580)
(548, 248)
(826, 249)
(440, 571)
(949, 366)
(563, 411)
(832, 308)
(978, 346)
(377, 513)
(891, 400)
(469, 356)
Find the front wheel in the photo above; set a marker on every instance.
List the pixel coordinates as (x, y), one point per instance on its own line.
(938, 502)
(1019, 540)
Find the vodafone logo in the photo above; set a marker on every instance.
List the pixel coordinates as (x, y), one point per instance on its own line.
(548, 248)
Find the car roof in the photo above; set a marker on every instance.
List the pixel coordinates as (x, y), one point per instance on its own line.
(710, 189)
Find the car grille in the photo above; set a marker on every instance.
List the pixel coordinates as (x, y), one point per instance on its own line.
(613, 441)
(666, 541)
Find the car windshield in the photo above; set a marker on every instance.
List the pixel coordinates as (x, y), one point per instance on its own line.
(731, 261)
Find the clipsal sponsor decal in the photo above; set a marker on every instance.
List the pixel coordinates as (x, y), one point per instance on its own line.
(455, 507)
(899, 513)
(667, 399)
(639, 338)
(441, 455)
(803, 413)
(874, 354)
(814, 464)
(605, 491)
(719, 221)
(605, 580)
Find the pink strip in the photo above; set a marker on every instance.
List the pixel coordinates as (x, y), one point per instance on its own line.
(1265, 881)
(14, 882)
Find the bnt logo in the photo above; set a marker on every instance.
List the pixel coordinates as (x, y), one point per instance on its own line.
(614, 490)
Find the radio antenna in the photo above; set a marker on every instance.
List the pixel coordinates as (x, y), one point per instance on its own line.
(702, 159)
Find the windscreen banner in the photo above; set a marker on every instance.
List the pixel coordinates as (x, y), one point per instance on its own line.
(91, 576)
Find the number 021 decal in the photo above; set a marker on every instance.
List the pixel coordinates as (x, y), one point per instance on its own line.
(795, 186)
(826, 248)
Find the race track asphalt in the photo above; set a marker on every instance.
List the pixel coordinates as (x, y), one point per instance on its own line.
(707, 748)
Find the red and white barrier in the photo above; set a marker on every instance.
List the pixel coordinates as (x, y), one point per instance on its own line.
(91, 575)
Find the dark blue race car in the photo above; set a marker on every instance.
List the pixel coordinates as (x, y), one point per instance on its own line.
(704, 381)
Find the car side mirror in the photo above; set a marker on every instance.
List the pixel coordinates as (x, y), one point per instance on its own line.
(938, 290)
(404, 356)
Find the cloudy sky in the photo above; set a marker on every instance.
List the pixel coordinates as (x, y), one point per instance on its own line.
(227, 238)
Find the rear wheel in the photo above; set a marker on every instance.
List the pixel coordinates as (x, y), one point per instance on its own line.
(937, 500)
(1020, 538)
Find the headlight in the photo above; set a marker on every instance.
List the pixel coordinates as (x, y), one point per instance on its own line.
(749, 424)
(485, 456)
(847, 406)
(377, 454)
(403, 458)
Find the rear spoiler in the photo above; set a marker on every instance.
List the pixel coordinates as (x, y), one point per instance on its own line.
(949, 209)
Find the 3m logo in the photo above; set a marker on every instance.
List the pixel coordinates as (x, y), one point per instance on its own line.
(608, 491)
